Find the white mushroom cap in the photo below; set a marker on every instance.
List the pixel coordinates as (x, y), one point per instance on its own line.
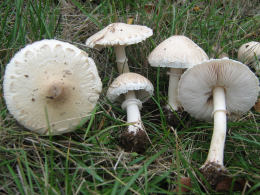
(239, 82)
(130, 82)
(177, 52)
(249, 52)
(119, 34)
(52, 81)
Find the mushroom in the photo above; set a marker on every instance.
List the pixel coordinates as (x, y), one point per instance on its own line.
(119, 35)
(249, 53)
(50, 86)
(215, 88)
(177, 53)
(132, 89)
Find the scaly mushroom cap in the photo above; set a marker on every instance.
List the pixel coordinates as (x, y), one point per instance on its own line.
(197, 83)
(50, 86)
(248, 53)
(119, 34)
(177, 52)
(130, 82)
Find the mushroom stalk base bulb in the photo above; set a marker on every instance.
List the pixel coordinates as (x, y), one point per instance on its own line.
(121, 59)
(213, 167)
(55, 91)
(175, 74)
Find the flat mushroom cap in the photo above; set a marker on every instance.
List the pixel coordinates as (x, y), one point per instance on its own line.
(197, 83)
(249, 52)
(40, 67)
(177, 52)
(119, 34)
(130, 82)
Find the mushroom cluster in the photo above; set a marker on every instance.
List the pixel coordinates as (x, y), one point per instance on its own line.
(121, 35)
(50, 86)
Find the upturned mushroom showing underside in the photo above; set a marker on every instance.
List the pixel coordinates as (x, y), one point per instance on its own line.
(50, 86)
(213, 89)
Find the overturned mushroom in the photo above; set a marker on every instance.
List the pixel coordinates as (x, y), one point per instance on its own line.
(177, 53)
(213, 89)
(50, 86)
(132, 90)
(119, 35)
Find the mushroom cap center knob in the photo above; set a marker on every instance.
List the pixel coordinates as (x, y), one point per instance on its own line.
(55, 91)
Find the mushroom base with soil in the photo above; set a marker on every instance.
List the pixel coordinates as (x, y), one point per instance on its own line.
(134, 139)
(134, 142)
(213, 172)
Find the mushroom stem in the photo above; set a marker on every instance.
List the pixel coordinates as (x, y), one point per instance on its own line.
(213, 168)
(121, 59)
(132, 105)
(216, 151)
(175, 74)
(55, 91)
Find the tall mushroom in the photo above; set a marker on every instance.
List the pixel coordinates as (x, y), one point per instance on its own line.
(249, 53)
(50, 86)
(132, 89)
(216, 88)
(177, 53)
(119, 35)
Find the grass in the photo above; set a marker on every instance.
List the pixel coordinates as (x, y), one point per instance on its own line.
(89, 160)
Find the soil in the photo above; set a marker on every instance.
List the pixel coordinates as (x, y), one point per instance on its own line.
(174, 118)
(213, 173)
(134, 143)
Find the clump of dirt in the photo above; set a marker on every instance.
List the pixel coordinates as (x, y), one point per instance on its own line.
(134, 143)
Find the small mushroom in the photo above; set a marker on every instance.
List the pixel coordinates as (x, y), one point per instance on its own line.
(119, 35)
(50, 86)
(132, 89)
(249, 53)
(216, 88)
(177, 53)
